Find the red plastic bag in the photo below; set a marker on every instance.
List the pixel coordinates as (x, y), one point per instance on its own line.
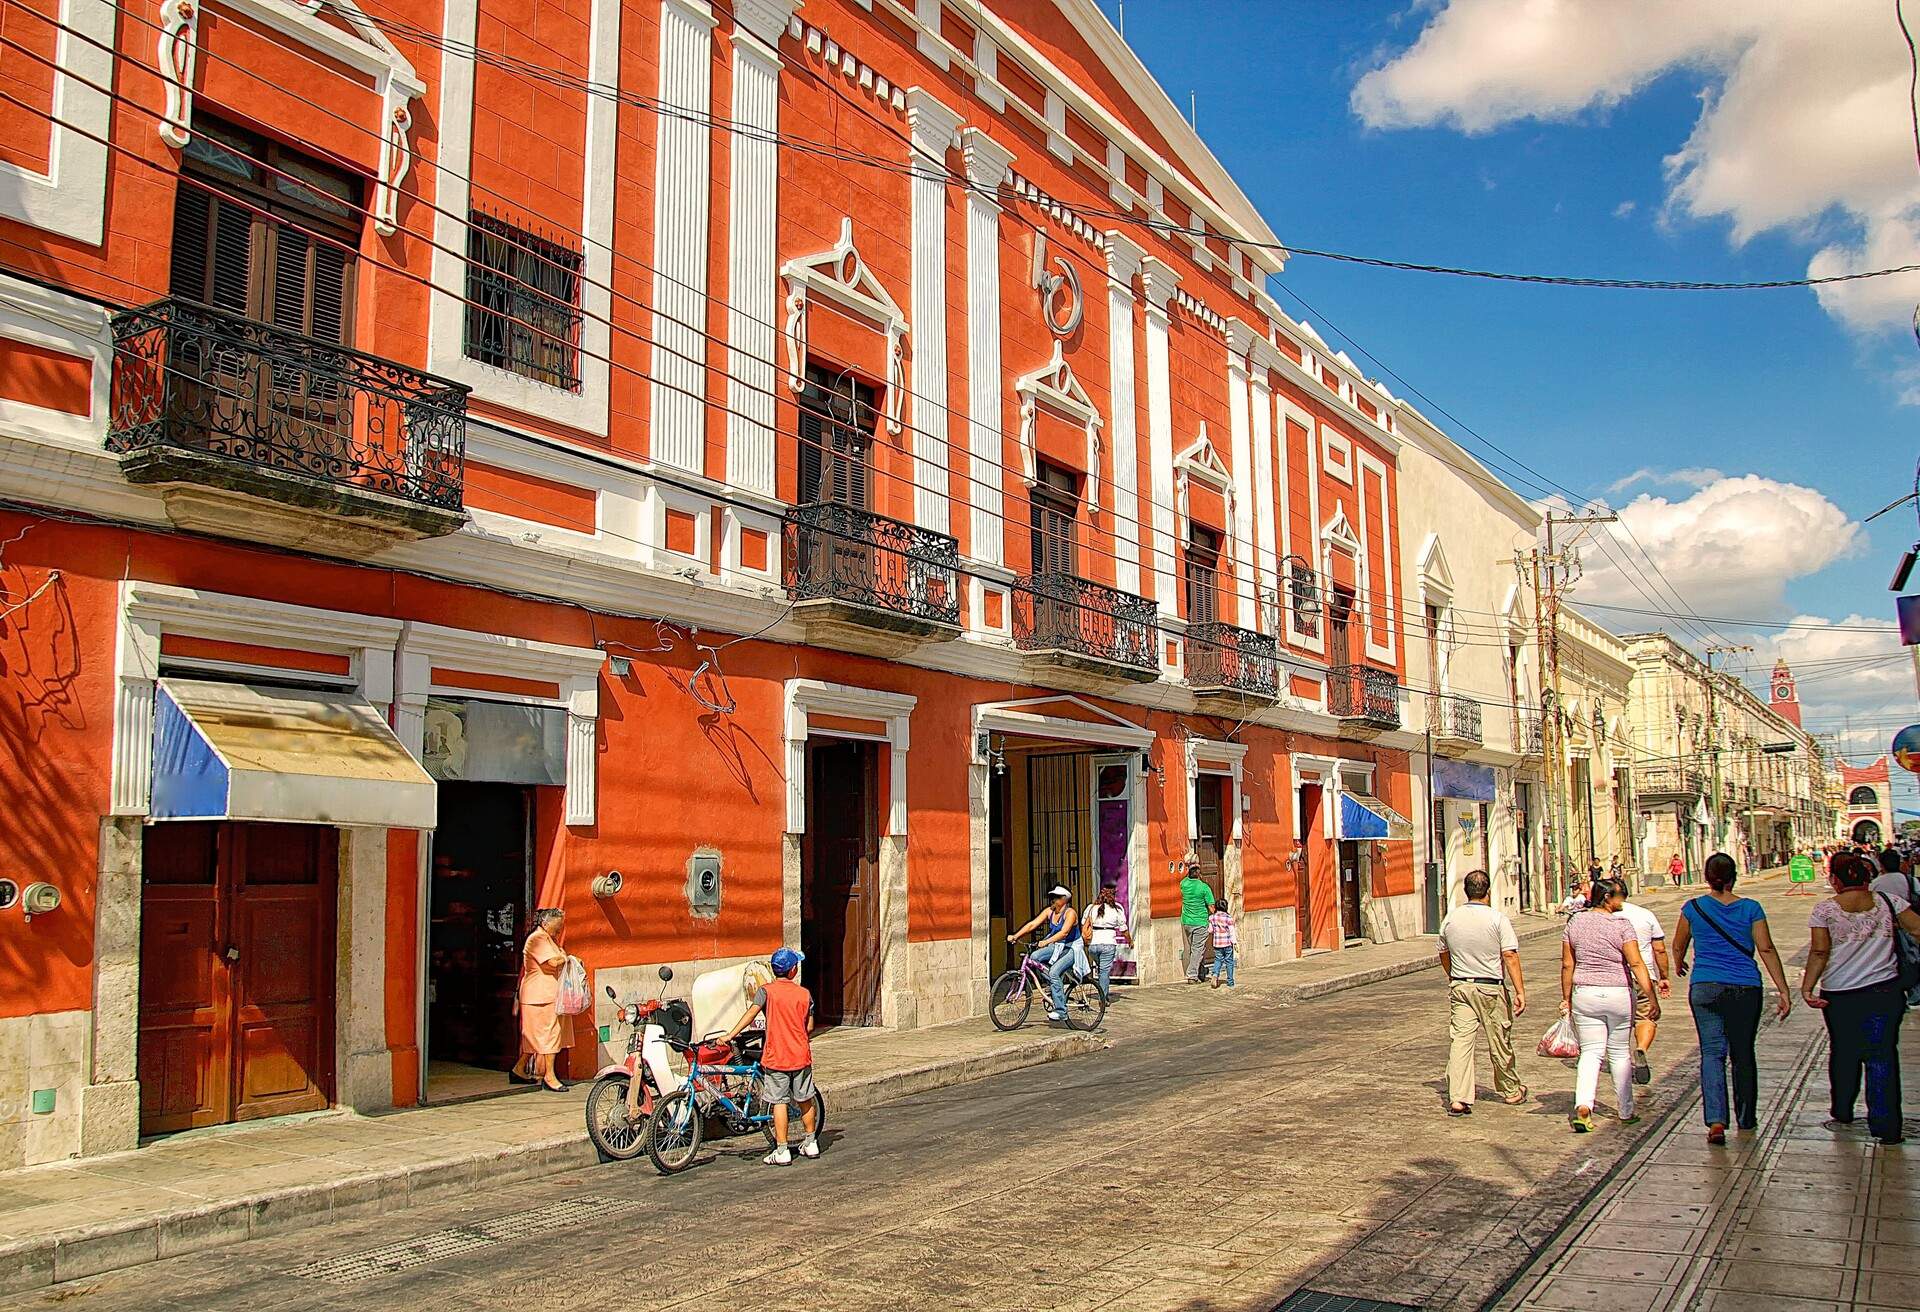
(1560, 1041)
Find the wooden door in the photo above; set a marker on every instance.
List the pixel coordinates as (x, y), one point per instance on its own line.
(1350, 890)
(1319, 907)
(236, 973)
(840, 882)
(1210, 838)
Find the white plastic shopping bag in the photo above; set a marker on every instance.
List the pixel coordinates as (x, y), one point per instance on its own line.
(574, 997)
(1560, 1041)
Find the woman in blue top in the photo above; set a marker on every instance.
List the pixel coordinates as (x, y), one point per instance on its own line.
(1727, 932)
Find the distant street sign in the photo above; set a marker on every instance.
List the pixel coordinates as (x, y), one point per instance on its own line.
(1776, 749)
(1800, 869)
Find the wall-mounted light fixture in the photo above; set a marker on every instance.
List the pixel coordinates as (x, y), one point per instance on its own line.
(609, 884)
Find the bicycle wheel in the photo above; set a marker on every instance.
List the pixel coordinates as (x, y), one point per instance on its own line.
(614, 1133)
(673, 1134)
(1085, 1006)
(793, 1119)
(1011, 1001)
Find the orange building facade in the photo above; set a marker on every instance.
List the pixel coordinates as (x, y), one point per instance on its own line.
(812, 474)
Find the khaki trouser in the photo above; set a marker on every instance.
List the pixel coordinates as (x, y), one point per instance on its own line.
(1480, 1007)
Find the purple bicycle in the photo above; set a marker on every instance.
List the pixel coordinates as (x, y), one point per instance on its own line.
(1014, 992)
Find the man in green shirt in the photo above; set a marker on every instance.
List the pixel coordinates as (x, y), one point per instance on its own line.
(1196, 904)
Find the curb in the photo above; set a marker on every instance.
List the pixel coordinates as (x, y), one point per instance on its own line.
(37, 1263)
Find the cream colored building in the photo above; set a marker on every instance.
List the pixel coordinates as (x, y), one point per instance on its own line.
(1471, 672)
(1591, 781)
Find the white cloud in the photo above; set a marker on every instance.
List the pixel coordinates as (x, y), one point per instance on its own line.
(1666, 478)
(1843, 673)
(1728, 549)
(1625, 209)
(1804, 119)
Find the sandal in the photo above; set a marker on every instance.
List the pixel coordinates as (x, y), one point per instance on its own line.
(1582, 1122)
(1716, 1133)
(1517, 1098)
(1459, 1109)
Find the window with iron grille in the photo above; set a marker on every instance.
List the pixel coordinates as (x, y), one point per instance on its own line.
(1306, 598)
(523, 302)
(837, 418)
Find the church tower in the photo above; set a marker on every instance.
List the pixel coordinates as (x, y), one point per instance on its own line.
(1783, 699)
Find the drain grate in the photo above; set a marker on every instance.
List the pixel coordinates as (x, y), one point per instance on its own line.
(352, 1268)
(1314, 1300)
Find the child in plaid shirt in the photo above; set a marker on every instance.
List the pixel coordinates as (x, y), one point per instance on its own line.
(1225, 940)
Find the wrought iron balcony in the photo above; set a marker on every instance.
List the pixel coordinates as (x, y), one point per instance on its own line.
(1529, 733)
(864, 582)
(1364, 699)
(259, 433)
(1227, 662)
(1093, 635)
(1456, 724)
(1670, 781)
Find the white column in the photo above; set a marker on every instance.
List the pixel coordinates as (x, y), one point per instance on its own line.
(933, 126)
(1123, 265)
(1242, 439)
(682, 184)
(987, 163)
(751, 258)
(1266, 558)
(1159, 282)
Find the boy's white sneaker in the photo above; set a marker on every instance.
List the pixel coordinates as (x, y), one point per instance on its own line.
(809, 1148)
(780, 1156)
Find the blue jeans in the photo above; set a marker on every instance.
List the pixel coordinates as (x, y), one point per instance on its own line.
(1223, 965)
(1058, 959)
(1863, 1029)
(1102, 956)
(1727, 1017)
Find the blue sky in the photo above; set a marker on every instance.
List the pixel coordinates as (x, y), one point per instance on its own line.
(1583, 386)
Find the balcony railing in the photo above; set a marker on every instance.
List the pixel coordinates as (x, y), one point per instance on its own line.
(1459, 720)
(1061, 613)
(1672, 780)
(846, 554)
(1360, 692)
(1225, 658)
(202, 395)
(1529, 734)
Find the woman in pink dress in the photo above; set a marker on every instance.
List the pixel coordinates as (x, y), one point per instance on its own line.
(543, 1030)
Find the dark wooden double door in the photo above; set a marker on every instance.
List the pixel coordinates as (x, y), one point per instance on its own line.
(840, 882)
(236, 972)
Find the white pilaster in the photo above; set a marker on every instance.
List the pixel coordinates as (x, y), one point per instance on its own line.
(1159, 281)
(751, 258)
(683, 162)
(1240, 423)
(1266, 558)
(987, 163)
(1123, 266)
(933, 126)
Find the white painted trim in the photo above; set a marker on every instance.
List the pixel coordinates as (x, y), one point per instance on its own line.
(43, 317)
(1123, 265)
(843, 277)
(1159, 282)
(1436, 579)
(1014, 718)
(682, 193)
(987, 164)
(752, 256)
(1216, 750)
(1389, 597)
(807, 697)
(70, 198)
(932, 126)
(1055, 384)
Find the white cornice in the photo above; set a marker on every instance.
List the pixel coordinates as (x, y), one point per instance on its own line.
(987, 161)
(933, 124)
(765, 19)
(1124, 258)
(1159, 280)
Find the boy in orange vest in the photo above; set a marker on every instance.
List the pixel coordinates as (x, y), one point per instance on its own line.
(786, 1062)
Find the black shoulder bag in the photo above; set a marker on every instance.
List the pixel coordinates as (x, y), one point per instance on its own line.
(1733, 942)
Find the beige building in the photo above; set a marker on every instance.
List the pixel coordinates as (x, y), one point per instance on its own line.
(1471, 673)
(1591, 778)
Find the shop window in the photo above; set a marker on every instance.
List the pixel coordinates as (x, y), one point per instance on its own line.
(1054, 519)
(837, 416)
(523, 302)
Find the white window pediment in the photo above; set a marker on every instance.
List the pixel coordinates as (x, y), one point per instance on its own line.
(1339, 533)
(1055, 385)
(339, 29)
(1199, 460)
(843, 277)
(1436, 579)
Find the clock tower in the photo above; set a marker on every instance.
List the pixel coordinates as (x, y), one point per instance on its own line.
(1782, 698)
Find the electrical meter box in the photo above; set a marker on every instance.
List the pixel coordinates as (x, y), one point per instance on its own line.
(703, 882)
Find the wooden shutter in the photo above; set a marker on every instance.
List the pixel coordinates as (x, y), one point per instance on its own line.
(213, 251)
(813, 435)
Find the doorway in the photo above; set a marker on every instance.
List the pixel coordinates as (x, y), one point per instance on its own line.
(236, 972)
(1210, 830)
(1351, 866)
(1317, 916)
(480, 910)
(840, 881)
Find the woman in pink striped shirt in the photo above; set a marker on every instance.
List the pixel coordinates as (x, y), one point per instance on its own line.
(1599, 960)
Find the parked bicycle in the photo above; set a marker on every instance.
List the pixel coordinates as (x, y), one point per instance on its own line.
(617, 1112)
(722, 1085)
(1014, 992)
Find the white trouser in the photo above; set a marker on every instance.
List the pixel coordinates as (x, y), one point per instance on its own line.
(1603, 1019)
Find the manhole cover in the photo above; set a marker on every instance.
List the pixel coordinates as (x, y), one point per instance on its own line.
(352, 1268)
(1314, 1300)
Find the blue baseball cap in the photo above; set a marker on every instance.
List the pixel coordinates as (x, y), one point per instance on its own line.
(786, 961)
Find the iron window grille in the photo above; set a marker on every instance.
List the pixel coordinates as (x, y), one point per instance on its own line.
(1305, 594)
(1460, 717)
(523, 302)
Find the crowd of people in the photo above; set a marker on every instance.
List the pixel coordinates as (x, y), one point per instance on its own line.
(1617, 964)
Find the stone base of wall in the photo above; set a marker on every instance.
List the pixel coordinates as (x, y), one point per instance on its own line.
(37, 1053)
(1390, 919)
(1269, 936)
(945, 981)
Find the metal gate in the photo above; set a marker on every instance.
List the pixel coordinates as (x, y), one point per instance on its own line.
(1058, 818)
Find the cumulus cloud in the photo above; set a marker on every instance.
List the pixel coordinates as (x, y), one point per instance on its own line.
(1848, 669)
(1730, 548)
(1666, 478)
(1804, 125)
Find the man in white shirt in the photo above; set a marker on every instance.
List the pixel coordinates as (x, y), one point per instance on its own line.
(1481, 955)
(1653, 951)
(1104, 923)
(1902, 890)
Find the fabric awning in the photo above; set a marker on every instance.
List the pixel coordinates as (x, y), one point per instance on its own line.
(1370, 819)
(1464, 781)
(234, 751)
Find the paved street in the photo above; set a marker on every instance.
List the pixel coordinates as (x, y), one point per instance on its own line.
(1227, 1150)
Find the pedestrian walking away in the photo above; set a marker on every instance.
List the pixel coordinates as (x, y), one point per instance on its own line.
(544, 1032)
(786, 1059)
(1485, 990)
(1854, 964)
(1653, 951)
(1055, 948)
(1729, 939)
(1600, 965)
(1104, 927)
(1226, 942)
(1196, 907)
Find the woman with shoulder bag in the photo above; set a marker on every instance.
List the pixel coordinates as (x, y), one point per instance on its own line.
(1728, 933)
(1863, 973)
(1599, 960)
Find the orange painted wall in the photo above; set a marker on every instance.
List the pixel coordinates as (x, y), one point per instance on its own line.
(26, 136)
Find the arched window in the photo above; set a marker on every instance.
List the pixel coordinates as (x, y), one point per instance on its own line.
(1863, 796)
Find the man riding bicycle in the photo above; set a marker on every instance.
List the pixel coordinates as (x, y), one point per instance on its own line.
(1055, 948)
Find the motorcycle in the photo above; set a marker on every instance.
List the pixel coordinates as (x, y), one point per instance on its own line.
(617, 1113)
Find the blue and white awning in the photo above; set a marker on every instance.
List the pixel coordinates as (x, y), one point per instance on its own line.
(233, 751)
(1371, 820)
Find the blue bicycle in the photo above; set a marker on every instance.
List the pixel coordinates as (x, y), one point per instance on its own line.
(722, 1085)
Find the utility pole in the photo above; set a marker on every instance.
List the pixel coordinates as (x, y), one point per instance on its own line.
(1713, 740)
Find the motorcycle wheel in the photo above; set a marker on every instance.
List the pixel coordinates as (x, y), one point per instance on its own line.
(618, 1137)
(673, 1133)
(793, 1118)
